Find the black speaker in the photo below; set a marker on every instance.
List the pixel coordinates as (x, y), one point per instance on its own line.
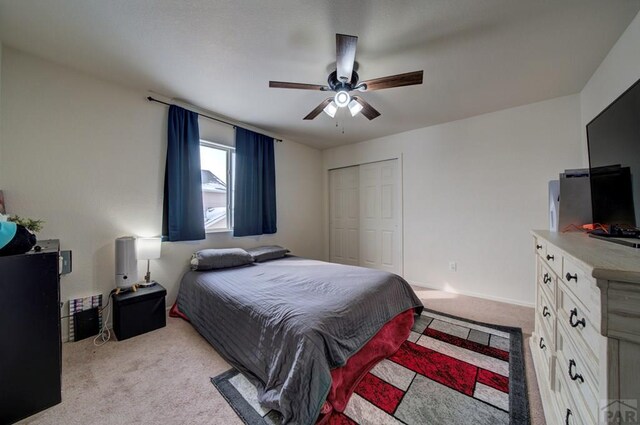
(138, 312)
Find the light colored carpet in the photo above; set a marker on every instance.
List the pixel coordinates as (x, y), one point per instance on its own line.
(162, 377)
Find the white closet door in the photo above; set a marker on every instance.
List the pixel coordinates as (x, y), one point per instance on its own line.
(381, 216)
(344, 238)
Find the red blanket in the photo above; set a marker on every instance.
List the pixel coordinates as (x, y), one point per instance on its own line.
(346, 378)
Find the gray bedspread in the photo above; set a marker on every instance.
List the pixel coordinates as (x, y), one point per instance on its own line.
(286, 323)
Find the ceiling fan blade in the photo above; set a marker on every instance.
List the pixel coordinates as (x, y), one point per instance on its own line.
(318, 109)
(399, 80)
(345, 56)
(301, 86)
(367, 110)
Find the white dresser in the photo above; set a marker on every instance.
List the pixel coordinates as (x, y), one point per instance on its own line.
(586, 342)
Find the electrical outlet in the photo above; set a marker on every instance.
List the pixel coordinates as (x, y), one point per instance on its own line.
(453, 266)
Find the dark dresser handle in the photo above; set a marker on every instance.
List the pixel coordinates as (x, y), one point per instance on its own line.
(546, 278)
(545, 311)
(542, 344)
(551, 257)
(566, 419)
(569, 277)
(574, 376)
(538, 246)
(574, 313)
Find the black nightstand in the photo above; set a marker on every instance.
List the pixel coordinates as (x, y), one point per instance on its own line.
(138, 312)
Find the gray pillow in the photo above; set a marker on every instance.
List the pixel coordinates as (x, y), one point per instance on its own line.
(209, 259)
(266, 253)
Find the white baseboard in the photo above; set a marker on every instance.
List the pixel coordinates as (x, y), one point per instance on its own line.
(474, 294)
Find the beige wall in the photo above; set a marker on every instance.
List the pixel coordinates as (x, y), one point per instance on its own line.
(87, 156)
(617, 72)
(472, 189)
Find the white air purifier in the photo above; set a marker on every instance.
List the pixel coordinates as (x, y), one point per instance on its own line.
(554, 204)
(126, 262)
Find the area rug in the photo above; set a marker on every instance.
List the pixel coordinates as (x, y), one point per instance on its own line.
(449, 371)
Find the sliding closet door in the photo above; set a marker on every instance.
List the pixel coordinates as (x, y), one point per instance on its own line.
(381, 216)
(344, 216)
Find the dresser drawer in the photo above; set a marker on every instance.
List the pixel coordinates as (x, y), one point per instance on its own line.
(546, 314)
(569, 411)
(545, 356)
(546, 330)
(580, 373)
(573, 315)
(553, 258)
(540, 246)
(547, 280)
(578, 280)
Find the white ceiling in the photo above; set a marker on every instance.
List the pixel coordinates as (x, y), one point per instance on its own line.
(478, 55)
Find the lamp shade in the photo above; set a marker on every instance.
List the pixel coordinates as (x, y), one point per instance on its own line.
(354, 107)
(331, 109)
(148, 248)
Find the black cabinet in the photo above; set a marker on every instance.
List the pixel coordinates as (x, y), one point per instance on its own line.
(30, 343)
(138, 312)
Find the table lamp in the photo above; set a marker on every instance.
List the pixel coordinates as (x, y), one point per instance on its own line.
(148, 249)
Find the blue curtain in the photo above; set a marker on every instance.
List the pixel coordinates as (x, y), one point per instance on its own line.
(255, 186)
(183, 218)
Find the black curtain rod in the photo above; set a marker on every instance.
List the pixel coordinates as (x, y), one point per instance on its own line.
(151, 99)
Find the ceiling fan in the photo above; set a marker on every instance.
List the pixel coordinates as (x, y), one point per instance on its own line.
(345, 79)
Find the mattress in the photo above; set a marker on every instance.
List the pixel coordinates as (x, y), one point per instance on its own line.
(285, 324)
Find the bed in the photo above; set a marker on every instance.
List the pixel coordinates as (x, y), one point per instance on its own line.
(287, 324)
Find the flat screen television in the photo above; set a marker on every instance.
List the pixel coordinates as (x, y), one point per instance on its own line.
(614, 161)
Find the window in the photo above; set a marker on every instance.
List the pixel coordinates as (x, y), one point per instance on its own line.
(217, 164)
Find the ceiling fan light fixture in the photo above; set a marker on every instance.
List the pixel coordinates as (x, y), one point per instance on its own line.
(331, 109)
(342, 98)
(355, 107)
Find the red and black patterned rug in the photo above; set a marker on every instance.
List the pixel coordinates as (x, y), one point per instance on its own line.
(449, 371)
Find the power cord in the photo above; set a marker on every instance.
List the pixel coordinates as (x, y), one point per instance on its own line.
(105, 334)
(587, 228)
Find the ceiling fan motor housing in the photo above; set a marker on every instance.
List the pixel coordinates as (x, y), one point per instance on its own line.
(337, 85)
